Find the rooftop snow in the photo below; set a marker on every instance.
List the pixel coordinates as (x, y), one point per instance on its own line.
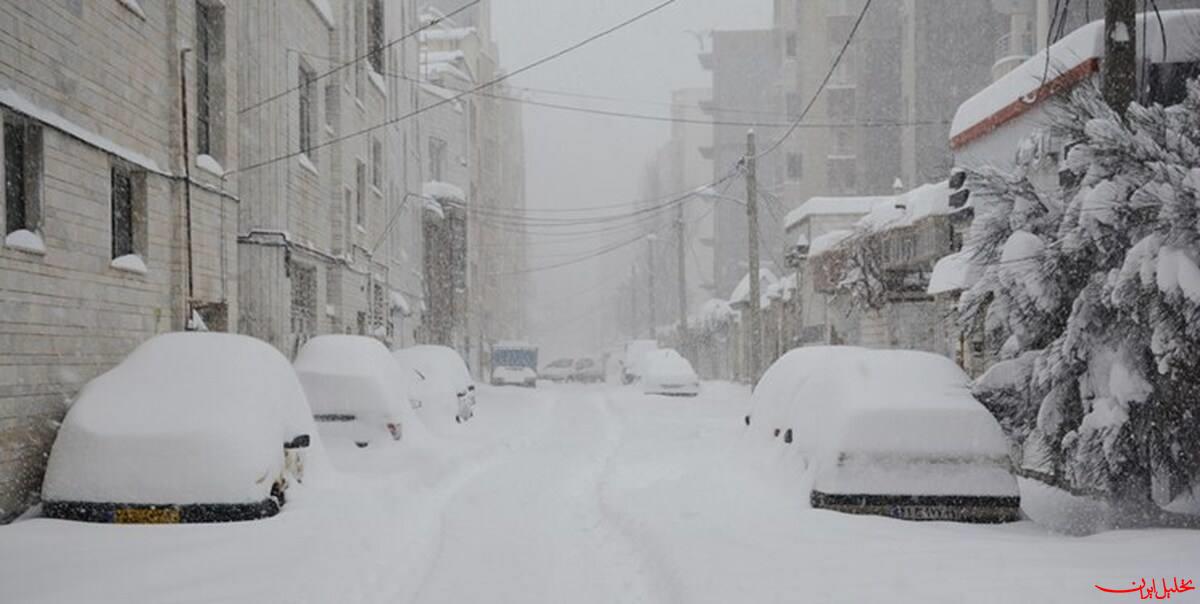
(831, 206)
(908, 208)
(1073, 51)
(741, 293)
(451, 34)
(828, 241)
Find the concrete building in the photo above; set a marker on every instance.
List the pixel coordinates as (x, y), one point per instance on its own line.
(328, 233)
(118, 224)
(743, 66)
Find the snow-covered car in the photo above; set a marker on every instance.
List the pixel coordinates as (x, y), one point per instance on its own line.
(635, 350)
(587, 370)
(190, 427)
(354, 390)
(514, 376)
(889, 432)
(558, 371)
(443, 384)
(666, 372)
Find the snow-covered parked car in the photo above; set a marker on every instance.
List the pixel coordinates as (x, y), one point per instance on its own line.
(588, 371)
(889, 432)
(190, 427)
(514, 376)
(443, 383)
(354, 390)
(666, 372)
(558, 371)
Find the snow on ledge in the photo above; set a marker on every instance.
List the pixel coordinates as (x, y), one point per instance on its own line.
(210, 164)
(26, 241)
(134, 8)
(443, 191)
(377, 80)
(50, 118)
(130, 263)
(307, 164)
(326, 13)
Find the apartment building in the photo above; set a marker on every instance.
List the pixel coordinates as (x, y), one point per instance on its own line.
(119, 123)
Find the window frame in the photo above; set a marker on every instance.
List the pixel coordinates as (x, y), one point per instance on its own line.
(129, 236)
(306, 114)
(32, 164)
(360, 193)
(210, 86)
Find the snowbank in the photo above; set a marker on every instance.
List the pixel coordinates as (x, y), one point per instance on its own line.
(883, 421)
(185, 418)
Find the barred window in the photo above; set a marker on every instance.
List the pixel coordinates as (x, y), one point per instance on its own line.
(210, 82)
(304, 298)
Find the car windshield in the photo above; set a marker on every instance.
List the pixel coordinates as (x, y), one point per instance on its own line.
(440, 301)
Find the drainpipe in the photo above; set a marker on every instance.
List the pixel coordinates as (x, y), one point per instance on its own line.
(187, 178)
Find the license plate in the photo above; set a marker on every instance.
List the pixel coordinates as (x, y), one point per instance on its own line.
(146, 516)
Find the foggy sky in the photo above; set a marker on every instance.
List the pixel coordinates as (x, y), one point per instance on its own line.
(581, 160)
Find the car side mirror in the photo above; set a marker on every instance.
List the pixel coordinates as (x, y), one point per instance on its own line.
(300, 442)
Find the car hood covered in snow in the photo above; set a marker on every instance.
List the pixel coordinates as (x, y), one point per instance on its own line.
(186, 418)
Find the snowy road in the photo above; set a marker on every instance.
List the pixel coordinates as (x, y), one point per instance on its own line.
(577, 494)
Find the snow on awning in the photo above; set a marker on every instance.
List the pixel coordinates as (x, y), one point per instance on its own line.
(400, 303)
(443, 191)
(433, 207)
(953, 273)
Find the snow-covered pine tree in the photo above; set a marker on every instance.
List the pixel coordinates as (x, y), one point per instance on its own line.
(1091, 291)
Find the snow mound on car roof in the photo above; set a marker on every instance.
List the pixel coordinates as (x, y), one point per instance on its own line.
(185, 418)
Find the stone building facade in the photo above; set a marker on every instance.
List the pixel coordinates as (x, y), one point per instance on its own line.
(114, 230)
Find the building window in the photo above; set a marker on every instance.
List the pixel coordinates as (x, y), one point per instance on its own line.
(308, 98)
(375, 34)
(331, 104)
(844, 142)
(795, 166)
(379, 309)
(437, 158)
(304, 298)
(842, 175)
(793, 105)
(793, 44)
(22, 174)
(128, 205)
(360, 195)
(210, 78)
(360, 39)
(377, 163)
(841, 103)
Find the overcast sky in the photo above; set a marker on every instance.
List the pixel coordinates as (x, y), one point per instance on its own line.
(581, 160)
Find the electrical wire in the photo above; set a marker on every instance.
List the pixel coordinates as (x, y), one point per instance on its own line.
(485, 85)
(353, 61)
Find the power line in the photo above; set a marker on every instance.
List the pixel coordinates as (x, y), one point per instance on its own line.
(824, 82)
(483, 86)
(402, 38)
(672, 119)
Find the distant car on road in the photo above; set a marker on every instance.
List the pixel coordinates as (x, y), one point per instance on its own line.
(587, 370)
(888, 432)
(443, 384)
(354, 390)
(559, 371)
(190, 427)
(514, 364)
(666, 372)
(514, 376)
(634, 351)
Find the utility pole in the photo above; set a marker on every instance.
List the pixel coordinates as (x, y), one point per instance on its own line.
(1120, 54)
(755, 336)
(650, 239)
(682, 260)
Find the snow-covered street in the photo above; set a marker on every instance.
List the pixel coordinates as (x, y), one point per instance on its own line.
(575, 494)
